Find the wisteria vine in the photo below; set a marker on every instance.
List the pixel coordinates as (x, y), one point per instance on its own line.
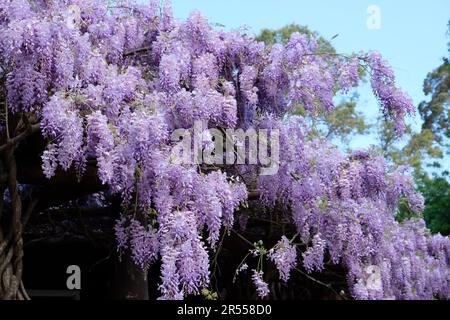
(112, 82)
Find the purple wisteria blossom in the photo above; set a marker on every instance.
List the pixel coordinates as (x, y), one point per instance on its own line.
(284, 255)
(262, 288)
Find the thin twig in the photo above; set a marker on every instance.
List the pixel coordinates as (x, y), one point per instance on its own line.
(136, 51)
(243, 238)
(326, 285)
(8, 138)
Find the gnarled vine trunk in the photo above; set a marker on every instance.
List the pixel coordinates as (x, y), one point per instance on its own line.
(11, 242)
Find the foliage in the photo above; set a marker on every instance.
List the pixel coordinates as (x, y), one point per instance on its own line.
(436, 111)
(344, 121)
(431, 142)
(283, 35)
(436, 191)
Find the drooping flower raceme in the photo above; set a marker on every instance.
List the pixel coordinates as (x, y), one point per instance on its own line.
(262, 288)
(344, 206)
(284, 255)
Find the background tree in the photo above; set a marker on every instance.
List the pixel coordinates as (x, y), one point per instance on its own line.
(427, 149)
(344, 121)
(436, 191)
(283, 35)
(431, 142)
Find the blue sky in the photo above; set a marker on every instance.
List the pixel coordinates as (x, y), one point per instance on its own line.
(413, 34)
